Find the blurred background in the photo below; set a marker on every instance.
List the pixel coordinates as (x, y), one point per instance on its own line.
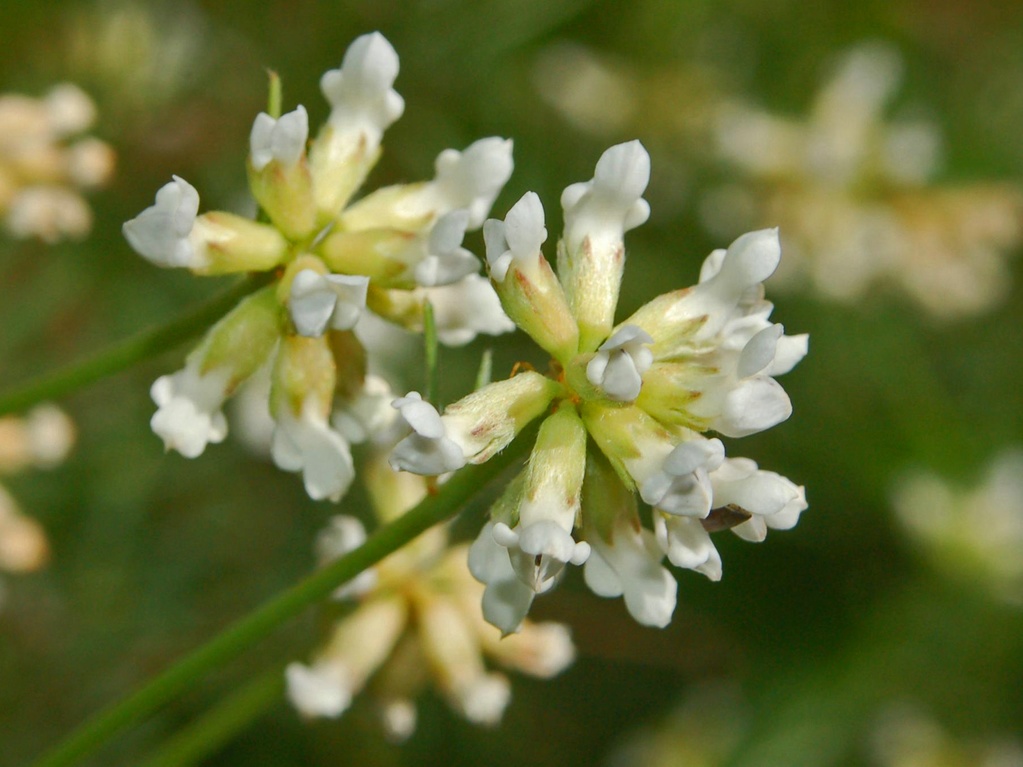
(883, 137)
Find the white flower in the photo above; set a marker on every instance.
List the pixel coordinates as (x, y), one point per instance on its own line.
(472, 179)
(469, 180)
(687, 544)
(451, 646)
(427, 450)
(360, 92)
(399, 717)
(484, 422)
(591, 255)
(620, 362)
(721, 328)
(629, 565)
(342, 535)
(446, 261)
(49, 213)
(321, 689)
(727, 279)
(308, 444)
(539, 551)
(545, 503)
(160, 233)
(368, 415)
(682, 486)
(539, 649)
(772, 500)
(612, 203)
(465, 309)
(506, 598)
(69, 109)
(283, 139)
(359, 645)
(318, 301)
(517, 238)
(975, 531)
(189, 415)
(50, 434)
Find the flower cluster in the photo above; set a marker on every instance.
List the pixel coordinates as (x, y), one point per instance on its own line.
(855, 196)
(414, 619)
(391, 251)
(42, 164)
(975, 533)
(40, 440)
(627, 407)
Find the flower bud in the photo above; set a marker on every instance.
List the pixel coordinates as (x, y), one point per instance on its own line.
(591, 255)
(170, 234)
(189, 402)
(485, 422)
(304, 378)
(529, 291)
(363, 105)
(279, 177)
(469, 180)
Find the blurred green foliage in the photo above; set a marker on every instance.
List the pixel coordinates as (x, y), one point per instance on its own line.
(820, 628)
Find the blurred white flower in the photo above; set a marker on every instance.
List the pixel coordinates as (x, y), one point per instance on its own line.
(416, 622)
(974, 533)
(856, 199)
(45, 163)
(41, 439)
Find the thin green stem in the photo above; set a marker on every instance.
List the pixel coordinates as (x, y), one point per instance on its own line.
(123, 355)
(275, 97)
(486, 372)
(430, 340)
(442, 505)
(221, 723)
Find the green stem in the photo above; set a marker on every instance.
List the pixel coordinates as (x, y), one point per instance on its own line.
(121, 356)
(451, 497)
(275, 97)
(221, 723)
(430, 341)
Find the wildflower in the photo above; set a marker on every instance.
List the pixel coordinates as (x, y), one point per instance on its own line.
(415, 620)
(976, 533)
(627, 406)
(331, 260)
(44, 162)
(857, 200)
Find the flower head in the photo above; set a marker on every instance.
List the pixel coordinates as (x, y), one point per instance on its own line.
(857, 198)
(416, 621)
(330, 260)
(627, 407)
(44, 164)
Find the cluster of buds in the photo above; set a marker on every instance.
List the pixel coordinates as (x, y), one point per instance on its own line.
(40, 440)
(413, 620)
(975, 533)
(391, 251)
(627, 407)
(43, 164)
(855, 196)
